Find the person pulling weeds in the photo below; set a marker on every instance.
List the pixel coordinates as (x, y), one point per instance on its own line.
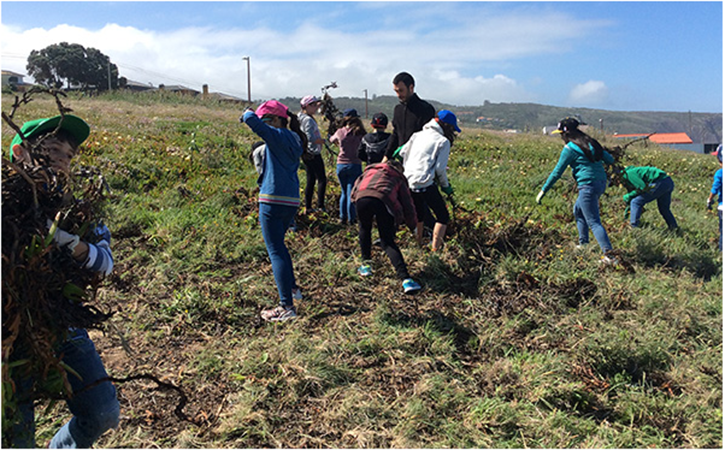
(586, 157)
(382, 193)
(647, 184)
(279, 194)
(48, 145)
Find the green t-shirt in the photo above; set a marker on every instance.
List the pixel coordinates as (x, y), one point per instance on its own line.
(638, 180)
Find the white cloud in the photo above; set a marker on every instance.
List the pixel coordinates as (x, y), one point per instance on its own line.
(296, 62)
(590, 93)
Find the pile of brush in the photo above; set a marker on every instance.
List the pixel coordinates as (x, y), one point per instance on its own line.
(44, 290)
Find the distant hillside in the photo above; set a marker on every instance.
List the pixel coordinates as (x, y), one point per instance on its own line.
(701, 127)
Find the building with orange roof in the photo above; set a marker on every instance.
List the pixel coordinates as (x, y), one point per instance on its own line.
(680, 141)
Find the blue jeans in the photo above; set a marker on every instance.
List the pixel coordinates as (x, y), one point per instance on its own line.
(95, 410)
(347, 174)
(586, 213)
(275, 220)
(661, 191)
(719, 219)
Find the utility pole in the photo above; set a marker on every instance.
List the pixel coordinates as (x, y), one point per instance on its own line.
(366, 102)
(109, 75)
(249, 81)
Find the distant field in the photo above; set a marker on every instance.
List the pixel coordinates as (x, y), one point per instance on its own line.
(517, 340)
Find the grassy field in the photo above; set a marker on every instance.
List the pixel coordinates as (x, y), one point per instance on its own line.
(517, 340)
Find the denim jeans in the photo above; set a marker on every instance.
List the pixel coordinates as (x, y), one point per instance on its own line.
(719, 219)
(661, 191)
(95, 410)
(586, 213)
(347, 174)
(275, 220)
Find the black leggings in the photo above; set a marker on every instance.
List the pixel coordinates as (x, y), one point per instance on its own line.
(367, 209)
(431, 197)
(315, 169)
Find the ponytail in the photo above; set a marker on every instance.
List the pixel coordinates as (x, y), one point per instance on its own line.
(448, 131)
(355, 124)
(294, 125)
(584, 141)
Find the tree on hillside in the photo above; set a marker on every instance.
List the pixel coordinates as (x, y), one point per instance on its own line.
(74, 65)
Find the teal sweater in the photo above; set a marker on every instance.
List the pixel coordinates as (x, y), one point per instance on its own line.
(584, 171)
(638, 180)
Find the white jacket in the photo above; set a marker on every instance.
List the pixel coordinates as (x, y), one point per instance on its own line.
(425, 157)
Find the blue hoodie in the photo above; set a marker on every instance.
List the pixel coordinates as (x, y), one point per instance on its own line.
(584, 171)
(279, 182)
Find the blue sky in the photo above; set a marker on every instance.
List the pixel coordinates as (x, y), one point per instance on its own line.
(632, 56)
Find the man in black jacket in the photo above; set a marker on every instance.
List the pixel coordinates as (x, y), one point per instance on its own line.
(410, 114)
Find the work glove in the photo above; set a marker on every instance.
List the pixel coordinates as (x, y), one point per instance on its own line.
(448, 190)
(710, 202)
(63, 238)
(396, 154)
(539, 197)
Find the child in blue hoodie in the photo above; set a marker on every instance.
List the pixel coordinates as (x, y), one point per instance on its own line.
(585, 156)
(717, 191)
(279, 194)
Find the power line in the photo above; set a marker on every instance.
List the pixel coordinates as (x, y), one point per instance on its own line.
(168, 77)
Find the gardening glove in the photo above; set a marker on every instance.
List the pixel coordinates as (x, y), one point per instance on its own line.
(539, 197)
(63, 238)
(448, 190)
(396, 153)
(710, 202)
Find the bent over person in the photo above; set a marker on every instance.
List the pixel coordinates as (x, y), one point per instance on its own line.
(647, 184)
(382, 194)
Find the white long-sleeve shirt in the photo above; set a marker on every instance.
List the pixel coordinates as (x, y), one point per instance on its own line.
(425, 157)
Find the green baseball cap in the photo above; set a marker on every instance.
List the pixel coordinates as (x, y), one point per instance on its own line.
(75, 126)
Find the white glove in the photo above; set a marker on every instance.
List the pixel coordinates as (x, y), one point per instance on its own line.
(63, 238)
(539, 197)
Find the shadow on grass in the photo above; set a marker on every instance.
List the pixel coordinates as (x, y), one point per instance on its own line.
(699, 263)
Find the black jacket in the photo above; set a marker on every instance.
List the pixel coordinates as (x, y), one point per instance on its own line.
(409, 118)
(373, 147)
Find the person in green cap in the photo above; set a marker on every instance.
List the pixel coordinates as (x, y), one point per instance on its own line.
(52, 143)
(645, 185)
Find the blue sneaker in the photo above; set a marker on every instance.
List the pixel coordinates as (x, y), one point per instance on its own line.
(410, 286)
(364, 270)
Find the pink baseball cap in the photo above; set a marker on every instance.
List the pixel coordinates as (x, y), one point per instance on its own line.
(272, 107)
(308, 100)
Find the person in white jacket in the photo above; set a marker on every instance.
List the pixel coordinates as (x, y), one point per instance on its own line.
(425, 160)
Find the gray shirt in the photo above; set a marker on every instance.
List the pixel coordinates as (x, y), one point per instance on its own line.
(309, 126)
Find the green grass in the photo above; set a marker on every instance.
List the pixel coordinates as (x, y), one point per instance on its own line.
(518, 339)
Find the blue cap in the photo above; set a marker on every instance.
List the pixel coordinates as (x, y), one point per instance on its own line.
(350, 112)
(448, 117)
